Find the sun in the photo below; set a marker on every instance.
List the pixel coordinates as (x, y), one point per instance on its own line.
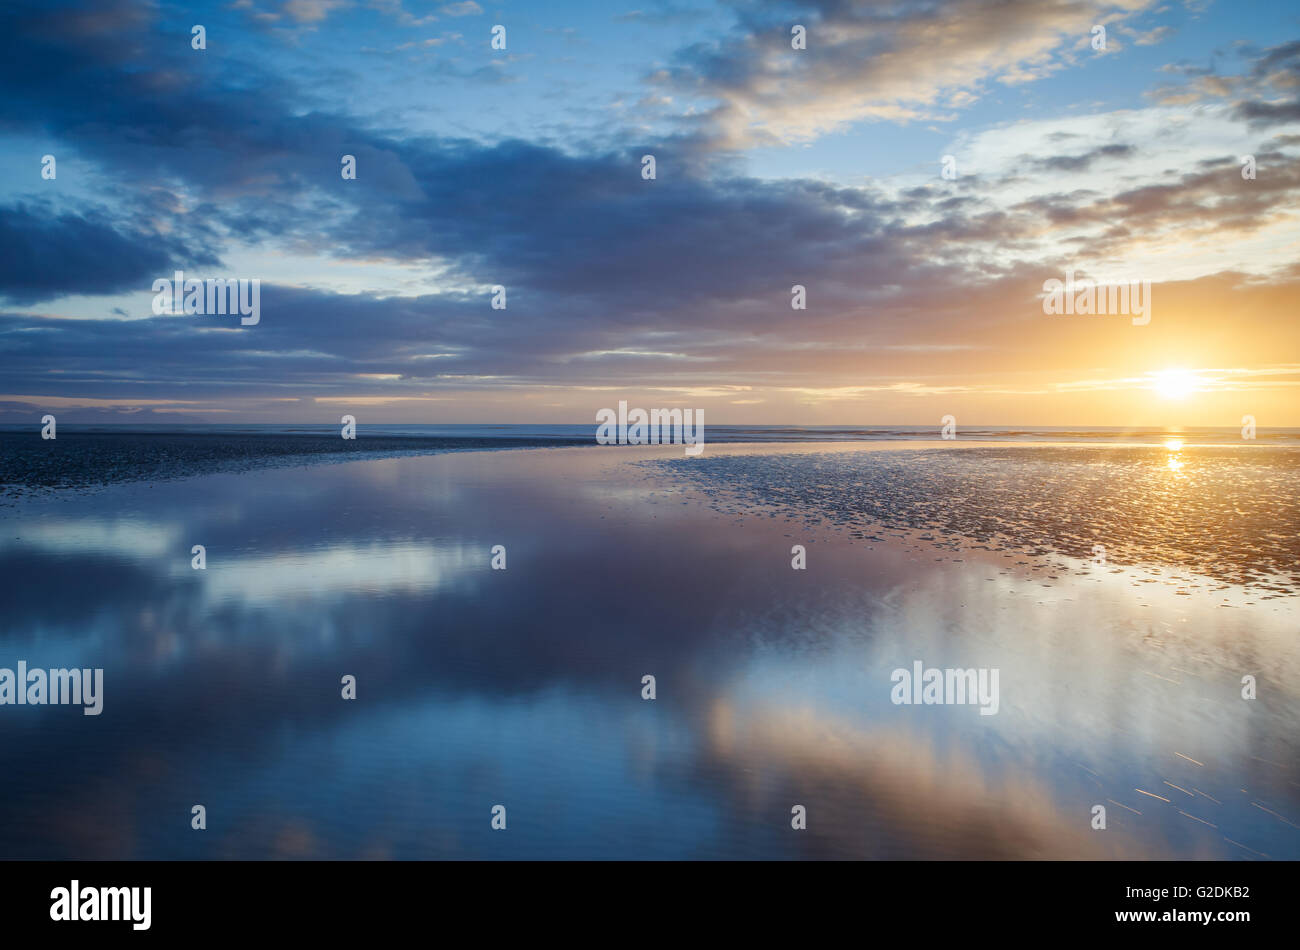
(1175, 383)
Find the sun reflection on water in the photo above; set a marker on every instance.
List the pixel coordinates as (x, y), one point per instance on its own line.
(1175, 461)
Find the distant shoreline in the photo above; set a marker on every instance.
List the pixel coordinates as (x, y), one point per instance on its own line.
(715, 432)
(87, 460)
(93, 457)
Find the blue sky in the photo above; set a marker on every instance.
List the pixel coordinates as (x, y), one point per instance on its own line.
(521, 167)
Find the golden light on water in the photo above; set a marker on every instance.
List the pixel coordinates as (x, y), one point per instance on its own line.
(1175, 461)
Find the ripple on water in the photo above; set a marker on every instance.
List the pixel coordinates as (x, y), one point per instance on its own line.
(1227, 513)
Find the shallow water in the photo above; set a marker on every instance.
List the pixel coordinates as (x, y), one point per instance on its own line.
(1229, 514)
(523, 687)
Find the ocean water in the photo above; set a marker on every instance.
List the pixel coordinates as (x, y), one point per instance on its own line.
(523, 687)
(576, 434)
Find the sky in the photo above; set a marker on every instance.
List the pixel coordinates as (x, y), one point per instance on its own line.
(923, 170)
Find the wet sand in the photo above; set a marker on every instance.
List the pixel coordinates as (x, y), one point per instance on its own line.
(87, 460)
(1186, 513)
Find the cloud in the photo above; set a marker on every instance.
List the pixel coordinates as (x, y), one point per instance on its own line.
(663, 13)
(1266, 94)
(893, 62)
(311, 11)
(1147, 37)
(1074, 163)
(50, 255)
(465, 8)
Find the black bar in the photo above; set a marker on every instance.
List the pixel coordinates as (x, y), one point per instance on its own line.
(332, 900)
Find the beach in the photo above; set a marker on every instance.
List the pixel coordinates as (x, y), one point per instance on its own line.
(1119, 674)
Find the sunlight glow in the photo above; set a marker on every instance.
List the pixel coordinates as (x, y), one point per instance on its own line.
(1175, 383)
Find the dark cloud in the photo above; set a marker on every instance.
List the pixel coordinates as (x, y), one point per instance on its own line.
(1078, 163)
(1269, 113)
(48, 255)
(1265, 95)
